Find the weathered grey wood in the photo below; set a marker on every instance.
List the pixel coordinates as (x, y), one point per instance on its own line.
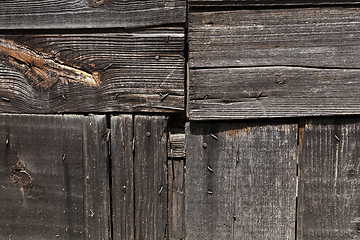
(93, 72)
(150, 177)
(308, 37)
(65, 14)
(242, 184)
(176, 202)
(329, 197)
(232, 93)
(122, 177)
(176, 145)
(232, 3)
(50, 158)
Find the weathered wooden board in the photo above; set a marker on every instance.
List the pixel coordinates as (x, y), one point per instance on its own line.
(54, 177)
(65, 14)
(329, 166)
(124, 71)
(232, 3)
(307, 37)
(176, 145)
(241, 185)
(122, 177)
(150, 168)
(266, 92)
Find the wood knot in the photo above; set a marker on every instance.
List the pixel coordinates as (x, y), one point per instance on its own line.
(20, 175)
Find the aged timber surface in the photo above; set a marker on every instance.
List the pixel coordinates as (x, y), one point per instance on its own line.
(329, 166)
(139, 70)
(53, 177)
(242, 183)
(45, 14)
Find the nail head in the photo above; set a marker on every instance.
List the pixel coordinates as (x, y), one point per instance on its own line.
(148, 134)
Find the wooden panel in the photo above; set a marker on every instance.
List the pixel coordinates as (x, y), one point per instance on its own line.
(241, 183)
(122, 177)
(150, 177)
(53, 177)
(142, 70)
(266, 92)
(232, 3)
(308, 37)
(66, 14)
(176, 202)
(329, 168)
(176, 145)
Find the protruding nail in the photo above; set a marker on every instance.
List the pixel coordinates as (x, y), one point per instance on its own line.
(213, 136)
(337, 138)
(157, 57)
(5, 99)
(234, 217)
(164, 96)
(63, 157)
(205, 145)
(7, 142)
(107, 67)
(63, 96)
(148, 134)
(259, 94)
(210, 192)
(210, 169)
(161, 190)
(205, 97)
(116, 95)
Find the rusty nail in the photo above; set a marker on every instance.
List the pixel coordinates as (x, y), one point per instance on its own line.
(337, 138)
(107, 67)
(116, 95)
(5, 99)
(210, 169)
(205, 97)
(157, 57)
(213, 136)
(205, 145)
(148, 134)
(164, 96)
(210, 192)
(259, 94)
(63, 157)
(161, 190)
(351, 172)
(63, 96)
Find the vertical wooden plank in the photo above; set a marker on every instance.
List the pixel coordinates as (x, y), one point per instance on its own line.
(54, 153)
(240, 180)
(122, 177)
(176, 203)
(150, 177)
(329, 168)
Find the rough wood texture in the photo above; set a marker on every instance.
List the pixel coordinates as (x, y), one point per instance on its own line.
(122, 177)
(125, 71)
(53, 177)
(329, 166)
(232, 3)
(176, 202)
(65, 14)
(233, 93)
(150, 177)
(243, 184)
(176, 145)
(307, 37)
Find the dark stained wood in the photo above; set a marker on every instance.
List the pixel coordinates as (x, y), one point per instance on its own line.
(232, 93)
(242, 185)
(176, 145)
(176, 203)
(232, 3)
(307, 37)
(57, 154)
(150, 177)
(65, 14)
(122, 177)
(329, 166)
(125, 71)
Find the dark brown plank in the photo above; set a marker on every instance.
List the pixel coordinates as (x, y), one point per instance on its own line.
(93, 72)
(176, 145)
(65, 14)
(308, 37)
(150, 177)
(329, 167)
(122, 177)
(232, 3)
(241, 185)
(45, 193)
(176, 203)
(233, 93)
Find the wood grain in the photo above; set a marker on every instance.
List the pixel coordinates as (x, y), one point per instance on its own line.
(328, 206)
(65, 14)
(308, 37)
(151, 191)
(176, 145)
(125, 71)
(242, 185)
(123, 177)
(58, 153)
(232, 93)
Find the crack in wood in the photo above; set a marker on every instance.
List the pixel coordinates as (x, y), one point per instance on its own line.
(42, 71)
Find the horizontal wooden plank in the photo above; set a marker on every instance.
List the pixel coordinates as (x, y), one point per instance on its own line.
(60, 14)
(329, 153)
(139, 70)
(308, 37)
(232, 3)
(53, 177)
(176, 145)
(266, 92)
